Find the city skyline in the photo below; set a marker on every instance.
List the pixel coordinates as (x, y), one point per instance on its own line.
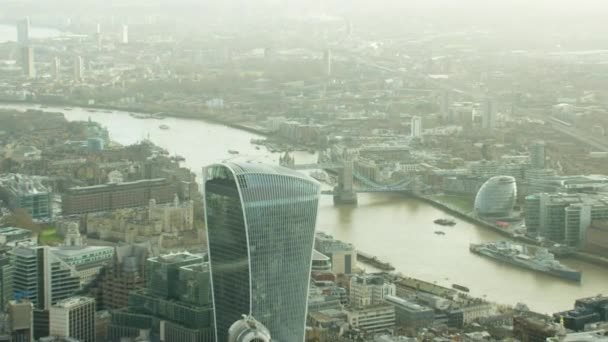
(288, 170)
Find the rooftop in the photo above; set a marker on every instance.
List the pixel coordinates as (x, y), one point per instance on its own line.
(14, 231)
(104, 187)
(406, 304)
(68, 252)
(598, 335)
(172, 258)
(73, 301)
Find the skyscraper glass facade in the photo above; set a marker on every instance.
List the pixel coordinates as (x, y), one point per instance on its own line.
(260, 226)
(496, 197)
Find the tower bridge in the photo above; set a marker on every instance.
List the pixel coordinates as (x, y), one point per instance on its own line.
(345, 192)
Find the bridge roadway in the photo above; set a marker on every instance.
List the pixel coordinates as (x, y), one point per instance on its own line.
(369, 185)
(323, 166)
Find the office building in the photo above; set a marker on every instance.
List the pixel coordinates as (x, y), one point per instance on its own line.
(260, 231)
(20, 320)
(343, 256)
(372, 319)
(410, 315)
(73, 317)
(27, 61)
(13, 236)
(27, 192)
(78, 68)
(577, 318)
(600, 335)
(174, 307)
(320, 262)
(533, 328)
(537, 155)
(124, 274)
(596, 239)
(87, 261)
(81, 200)
(366, 289)
(564, 218)
(416, 127)
(42, 277)
(23, 31)
(488, 119)
(496, 197)
(6, 281)
(125, 34)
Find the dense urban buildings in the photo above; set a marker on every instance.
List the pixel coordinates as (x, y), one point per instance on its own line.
(26, 192)
(174, 306)
(124, 274)
(408, 124)
(115, 196)
(260, 226)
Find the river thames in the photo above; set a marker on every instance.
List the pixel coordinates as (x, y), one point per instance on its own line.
(393, 227)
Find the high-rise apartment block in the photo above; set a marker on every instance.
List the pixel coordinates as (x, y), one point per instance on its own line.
(416, 127)
(27, 61)
(23, 31)
(537, 155)
(488, 119)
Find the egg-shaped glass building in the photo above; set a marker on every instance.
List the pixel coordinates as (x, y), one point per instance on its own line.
(496, 197)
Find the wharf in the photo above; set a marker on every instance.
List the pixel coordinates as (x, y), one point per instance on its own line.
(374, 261)
(424, 286)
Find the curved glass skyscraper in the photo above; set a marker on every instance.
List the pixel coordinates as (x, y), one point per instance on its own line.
(496, 197)
(260, 231)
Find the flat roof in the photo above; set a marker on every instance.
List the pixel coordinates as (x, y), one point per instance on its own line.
(14, 231)
(73, 301)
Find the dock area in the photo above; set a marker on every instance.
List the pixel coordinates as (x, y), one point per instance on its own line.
(374, 261)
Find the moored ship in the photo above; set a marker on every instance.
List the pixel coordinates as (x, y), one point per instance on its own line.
(516, 254)
(444, 222)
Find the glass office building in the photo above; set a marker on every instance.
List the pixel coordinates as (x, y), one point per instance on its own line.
(496, 197)
(260, 230)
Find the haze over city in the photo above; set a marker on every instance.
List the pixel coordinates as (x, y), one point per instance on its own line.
(290, 170)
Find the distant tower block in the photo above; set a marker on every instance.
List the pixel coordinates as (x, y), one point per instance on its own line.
(78, 68)
(23, 31)
(488, 120)
(27, 61)
(537, 155)
(98, 36)
(125, 34)
(416, 127)
(445, 105)
(327, 62)
(57, 68)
